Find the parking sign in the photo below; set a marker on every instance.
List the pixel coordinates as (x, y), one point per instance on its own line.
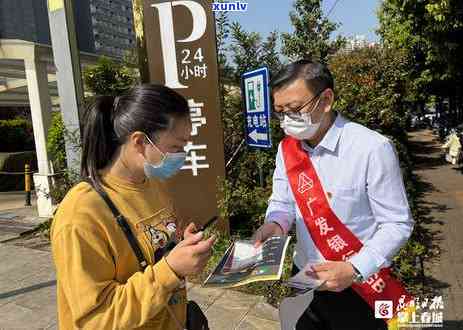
(257, 108)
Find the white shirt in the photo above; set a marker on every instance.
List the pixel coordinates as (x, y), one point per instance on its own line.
(360, 170)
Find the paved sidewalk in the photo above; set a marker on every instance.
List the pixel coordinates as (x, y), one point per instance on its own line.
(15, 217)
(15, 200)
(28, 301)
(27, 289)
(27, 281)
(442, 207)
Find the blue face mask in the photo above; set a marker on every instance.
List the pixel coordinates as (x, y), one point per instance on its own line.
(170, 164)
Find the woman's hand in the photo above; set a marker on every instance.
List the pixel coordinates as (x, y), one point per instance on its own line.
(190, 256)
(190, 230)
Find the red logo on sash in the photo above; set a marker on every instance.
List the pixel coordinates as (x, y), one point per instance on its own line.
(333, 239)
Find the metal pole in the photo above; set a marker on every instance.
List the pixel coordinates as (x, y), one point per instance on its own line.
(235, 153)
(260, 167)
(27, 184)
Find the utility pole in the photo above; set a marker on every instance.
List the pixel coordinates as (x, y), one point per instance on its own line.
(68, 74)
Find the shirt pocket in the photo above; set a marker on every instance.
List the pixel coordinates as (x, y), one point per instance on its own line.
(348, 203)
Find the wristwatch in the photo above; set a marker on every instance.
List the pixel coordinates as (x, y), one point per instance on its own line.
(357, 278)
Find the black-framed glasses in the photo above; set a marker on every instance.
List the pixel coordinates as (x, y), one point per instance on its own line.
(296, 113)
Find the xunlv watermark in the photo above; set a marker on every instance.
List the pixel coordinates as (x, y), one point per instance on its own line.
(230, 6)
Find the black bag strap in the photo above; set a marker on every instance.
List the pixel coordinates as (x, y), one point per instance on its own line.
(122, 222)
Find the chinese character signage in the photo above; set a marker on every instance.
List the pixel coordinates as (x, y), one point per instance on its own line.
(257, 105)
(181, 47)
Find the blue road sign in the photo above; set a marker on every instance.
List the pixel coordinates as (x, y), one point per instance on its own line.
(256, 95)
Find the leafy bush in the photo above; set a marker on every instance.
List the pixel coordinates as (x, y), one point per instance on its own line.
(17, 135)
(243, 206)
(55, 142)
(371, 88)
(64, 178)
(108, 77)
(62, 183)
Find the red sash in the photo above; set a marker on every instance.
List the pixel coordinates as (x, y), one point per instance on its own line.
(333, 239)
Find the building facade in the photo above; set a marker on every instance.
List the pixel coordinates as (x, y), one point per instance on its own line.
(24, 20)
(103, 27)
(112, 26)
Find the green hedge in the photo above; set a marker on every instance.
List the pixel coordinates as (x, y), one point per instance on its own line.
(16, 135)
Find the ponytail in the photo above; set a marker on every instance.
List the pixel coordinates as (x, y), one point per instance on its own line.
(99, 140)
(110, 120)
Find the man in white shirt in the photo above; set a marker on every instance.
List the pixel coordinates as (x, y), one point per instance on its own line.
(359, 172)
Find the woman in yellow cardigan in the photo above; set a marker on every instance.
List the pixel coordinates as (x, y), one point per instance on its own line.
(130, 144)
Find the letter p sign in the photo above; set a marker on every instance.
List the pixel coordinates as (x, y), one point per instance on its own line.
(166, 26)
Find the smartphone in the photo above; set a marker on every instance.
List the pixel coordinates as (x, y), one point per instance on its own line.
(209, 223)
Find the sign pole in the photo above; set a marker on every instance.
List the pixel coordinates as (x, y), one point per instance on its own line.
(181, 51)
(261, 171)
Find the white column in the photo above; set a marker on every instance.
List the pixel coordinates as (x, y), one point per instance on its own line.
(40, 103)
(69, 76)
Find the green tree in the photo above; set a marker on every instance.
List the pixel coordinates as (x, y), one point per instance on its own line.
(250, 51)
(108, 77)
(371, 84)
(430, 32)
(222, 34)
(312, 33)
(270, 55)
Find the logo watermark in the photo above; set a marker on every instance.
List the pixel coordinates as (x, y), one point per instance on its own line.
(417, 313)
(230, 6)
(383, 309)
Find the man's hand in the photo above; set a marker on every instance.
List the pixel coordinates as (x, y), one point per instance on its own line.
(266, 231)
(338, 275)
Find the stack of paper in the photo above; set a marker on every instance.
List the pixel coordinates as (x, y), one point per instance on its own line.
(243, 263)
(302, 280)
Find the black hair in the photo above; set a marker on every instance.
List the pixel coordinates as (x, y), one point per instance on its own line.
(109, 121)
(317, 76)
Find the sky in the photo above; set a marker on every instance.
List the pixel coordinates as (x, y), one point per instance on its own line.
(358, 17)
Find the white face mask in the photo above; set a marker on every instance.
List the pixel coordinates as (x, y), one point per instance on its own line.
(301, 129)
